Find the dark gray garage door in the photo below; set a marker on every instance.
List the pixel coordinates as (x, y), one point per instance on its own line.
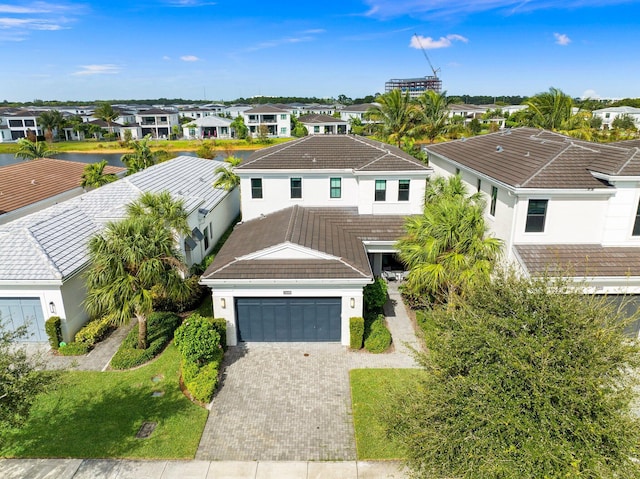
(16, 312)
(288, 319)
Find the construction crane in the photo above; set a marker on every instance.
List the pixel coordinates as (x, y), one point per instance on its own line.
(435, 72)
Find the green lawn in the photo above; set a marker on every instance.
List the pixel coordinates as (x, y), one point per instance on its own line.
(97, 415)
(370, 390)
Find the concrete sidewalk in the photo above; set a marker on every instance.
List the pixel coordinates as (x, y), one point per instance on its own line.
(126, 469)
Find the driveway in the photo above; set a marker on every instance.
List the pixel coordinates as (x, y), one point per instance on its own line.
(292, 401)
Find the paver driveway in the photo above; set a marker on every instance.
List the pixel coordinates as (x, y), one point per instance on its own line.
(292, 401)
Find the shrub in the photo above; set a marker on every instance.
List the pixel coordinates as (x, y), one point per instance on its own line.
(74, 349)
(197, 339)
(201, 381)
(93, 332)
(220, 325)
(379, 338)
(54, 331)
(375, 295)
(162, 303)
(160, 328)
(356, 329)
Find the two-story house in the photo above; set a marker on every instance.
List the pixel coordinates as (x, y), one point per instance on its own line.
(157, 122)
(556, 202)
(321, 216)
(608, 115)
(275, 121)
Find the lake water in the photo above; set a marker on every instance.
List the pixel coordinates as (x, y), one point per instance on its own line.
(112, 158)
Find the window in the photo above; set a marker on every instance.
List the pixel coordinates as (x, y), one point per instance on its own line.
(29, 123)
(403, 190)
(256, 188)
(316, 129)
(494, 200)
(296, 187)
(206, 238)
(636, 224)
(335, 188)
(479, 186)
(536, 213)
(283, 130)
(381, 190)
(283, 116)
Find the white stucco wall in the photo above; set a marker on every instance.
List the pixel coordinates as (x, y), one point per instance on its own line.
(621, 215)
(73, 314)
(391, 206)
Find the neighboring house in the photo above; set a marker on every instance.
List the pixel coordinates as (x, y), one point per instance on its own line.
(20, 122)
(608, 115)
(208, 127)
(33, 185)
(556, 202)
(358, 112)
(235, 111)
(157, 122)
(195, 112)
(43, 256)
(324, 125)
(276, 120)
(5, 133)
(321, 216)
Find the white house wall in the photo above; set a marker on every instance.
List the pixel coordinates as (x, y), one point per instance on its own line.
(73, 314)
(621, 214)
(391, 205)
(45, 293)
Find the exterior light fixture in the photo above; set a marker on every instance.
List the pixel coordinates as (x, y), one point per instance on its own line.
(353, 303)
(52, 307)
(223, 303)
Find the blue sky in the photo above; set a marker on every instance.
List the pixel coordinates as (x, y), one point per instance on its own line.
(225, 49)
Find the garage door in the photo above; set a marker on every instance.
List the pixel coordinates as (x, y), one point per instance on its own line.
(288, 319)
(16, 312)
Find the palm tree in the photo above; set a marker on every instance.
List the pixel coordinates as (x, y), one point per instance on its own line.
(105, 112)
(396, 113)
(553, 110)
(163, 209)
(142, 157)
(31, 150)
(94, 176)
(128, 259)
(227, 179)
(49, 121)
(433, 115)
(447, 248)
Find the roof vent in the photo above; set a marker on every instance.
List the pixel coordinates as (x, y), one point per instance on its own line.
(499, 148)
(464, 138)
(527, 154)
(34, 182)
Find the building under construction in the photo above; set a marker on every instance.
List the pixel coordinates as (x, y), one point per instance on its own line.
(415, 86)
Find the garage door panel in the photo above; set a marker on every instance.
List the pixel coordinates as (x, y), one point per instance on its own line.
(17, 312)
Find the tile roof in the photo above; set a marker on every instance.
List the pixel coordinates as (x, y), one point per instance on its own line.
(531, 158)
(580, 260)
(29, 182)
(52, 243)
(265, 109)
(337, 232)
(333, 152)
(312, 118)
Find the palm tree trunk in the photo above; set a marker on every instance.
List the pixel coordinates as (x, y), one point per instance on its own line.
(142, 331)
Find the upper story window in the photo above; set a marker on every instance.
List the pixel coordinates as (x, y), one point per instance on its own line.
(536, 213)
(494, 200)
(29, 123)
(256, 187)
(636, 224)
(296, 188)
(316, 129)
(403, 190)
(335, 188)
(283, 117)
(381, 190)
(206, 238)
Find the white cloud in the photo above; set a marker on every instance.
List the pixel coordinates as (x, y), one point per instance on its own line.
(190, 3)
(37, 16)
(562, 39)
(166, 58)
(429, 43)
(189, 58)
(590, 94)
(105, 69)
(278, 42)
(314, 31)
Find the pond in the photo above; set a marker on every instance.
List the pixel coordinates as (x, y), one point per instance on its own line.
(112, 158)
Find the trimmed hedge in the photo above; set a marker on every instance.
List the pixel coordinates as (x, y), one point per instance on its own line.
(54, 331)
(197, 339)
(379, 338)
(356, 330)
(201, 381)
(160, 328)
(93, 332)
(74, 349)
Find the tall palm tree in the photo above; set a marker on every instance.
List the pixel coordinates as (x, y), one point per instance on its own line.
(396, 112)
(433, 115)
(94, 176)
(105, 112)
(31, 150)
(227, 179)
(128, 259)
(49, 121)
(447, 248)
(553, 110)
(142, 157)
(163, 209)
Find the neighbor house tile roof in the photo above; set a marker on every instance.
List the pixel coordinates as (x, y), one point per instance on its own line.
(337, 232)
(333, 152)
(580, 260)
(531, 158)
(29, 182)
(265, 109)
(313, 118)
(52, 243)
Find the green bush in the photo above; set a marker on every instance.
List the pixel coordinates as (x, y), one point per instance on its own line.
(220, 325)
(356, 330)
(379, 338)
(74, 349)
(201, 381)
(375, 295)
(162, 303)
(197, 339)
(54, 331)
(160, 328)
(93, 332)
